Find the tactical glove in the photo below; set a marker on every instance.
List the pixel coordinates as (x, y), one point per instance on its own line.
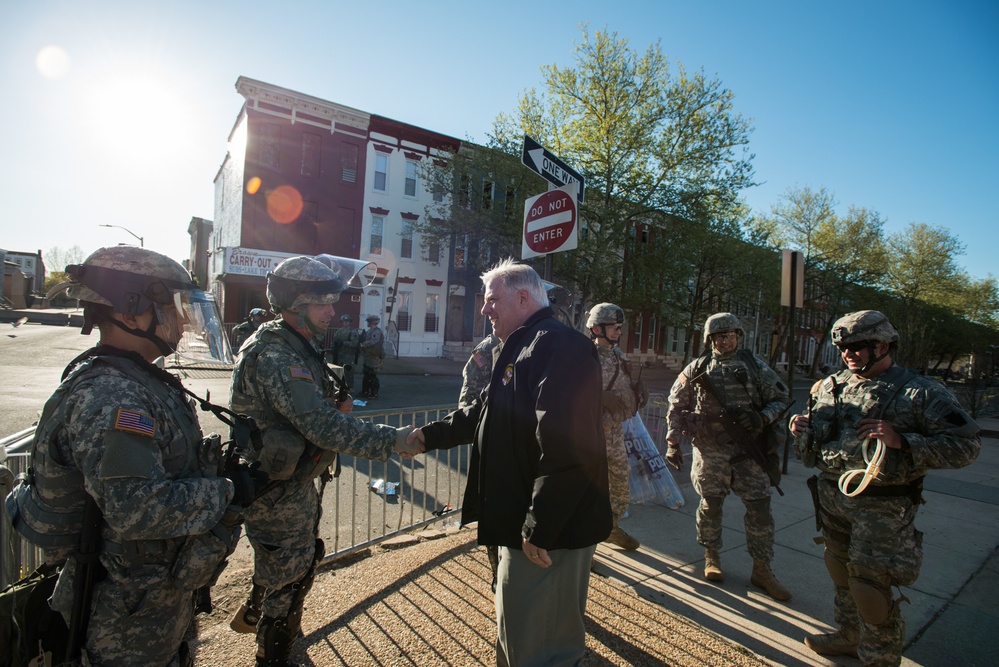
(247, 482)
(613, 403)
(751, 420)
(641, 394)
(674, 456)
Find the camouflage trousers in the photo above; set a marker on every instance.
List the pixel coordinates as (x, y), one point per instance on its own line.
(714, 475)
(130, 626)
(282, 528)
(881, 544)
(618, 468)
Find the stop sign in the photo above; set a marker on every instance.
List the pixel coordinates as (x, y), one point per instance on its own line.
(550, 222)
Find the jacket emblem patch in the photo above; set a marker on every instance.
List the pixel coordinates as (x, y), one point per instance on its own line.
(135, 422)
(301, 373)
(507, 374)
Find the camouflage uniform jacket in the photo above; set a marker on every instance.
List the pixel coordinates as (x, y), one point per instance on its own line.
(346, 342)
(479, 367)
(373, 346)
(116, 432)
(282, 382)
(240, 333)
(937, 431)
(694, 412)
(617, 380)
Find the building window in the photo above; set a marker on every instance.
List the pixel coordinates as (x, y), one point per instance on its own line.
(270, 146)
(311, 149)
(434, 251)
(464, 183)
(410, 178)
(381, 172)
(407, 239)
(404, 319)
(348, 163)
(377, 232)
(487, 195)
(437, 190)
(432, 321)
(460, 249)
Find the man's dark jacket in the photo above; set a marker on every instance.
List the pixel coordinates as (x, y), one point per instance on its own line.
(539, 465)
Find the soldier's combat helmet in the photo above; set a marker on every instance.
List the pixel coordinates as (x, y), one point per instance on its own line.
(720, 323)
(604, 313)
(863, 325)
(130, 280)
(346, 318)
(302, 280)
(372, 318)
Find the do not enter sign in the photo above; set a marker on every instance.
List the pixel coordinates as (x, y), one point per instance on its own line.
(550, 222)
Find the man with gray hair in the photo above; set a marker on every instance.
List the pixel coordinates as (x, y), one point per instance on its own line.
(537, 481)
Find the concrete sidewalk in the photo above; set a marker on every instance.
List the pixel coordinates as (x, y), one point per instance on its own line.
(953, 611)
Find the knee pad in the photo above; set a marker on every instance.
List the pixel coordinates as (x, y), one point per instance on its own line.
(712, 505)
(872, 593)
(836, 564)
(758, 512)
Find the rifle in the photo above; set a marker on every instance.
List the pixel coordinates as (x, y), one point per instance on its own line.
(739, 433)
(87, 565)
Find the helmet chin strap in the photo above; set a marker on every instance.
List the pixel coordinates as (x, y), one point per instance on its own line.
(874, 359)
(165, 349)
(602, 334)
(305, 323)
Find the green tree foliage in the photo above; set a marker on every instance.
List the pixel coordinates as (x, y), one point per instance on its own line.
(654, 145)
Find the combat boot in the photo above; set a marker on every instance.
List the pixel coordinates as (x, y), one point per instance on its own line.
(764, 578)
(245, 620)
(622, 539)
(841, 642)
(712, 565)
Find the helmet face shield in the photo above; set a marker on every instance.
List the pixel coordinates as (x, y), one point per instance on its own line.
(196, 328)
(355, 273)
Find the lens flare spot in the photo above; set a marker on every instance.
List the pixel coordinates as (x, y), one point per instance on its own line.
(253, 185)
(284, 204)
(52, 62)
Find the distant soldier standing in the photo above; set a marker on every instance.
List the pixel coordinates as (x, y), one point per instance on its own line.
(346, 344)
(874, 430)
(728, 381)
(372, 351)
(282, 380)
(120, 434)
(243, 330)
(622, 398)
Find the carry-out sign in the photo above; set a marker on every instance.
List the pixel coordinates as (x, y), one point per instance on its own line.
(550, 222)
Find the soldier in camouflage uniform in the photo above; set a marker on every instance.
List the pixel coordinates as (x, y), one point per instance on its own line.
(754, 397)
(121, 433)
(243, 330)
(622, 398)
(281, 379)
(346, 342)
(372, 351)
(875, 408)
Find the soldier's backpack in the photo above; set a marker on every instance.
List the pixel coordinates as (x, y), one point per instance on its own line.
(31, 632)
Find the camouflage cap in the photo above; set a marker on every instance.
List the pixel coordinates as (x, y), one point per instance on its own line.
(302, 280)
(127, 278)
(604, 313)
(863, 325)
(721, 322)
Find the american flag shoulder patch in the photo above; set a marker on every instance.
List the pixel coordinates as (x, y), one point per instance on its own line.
(479, 359)
(301, 373)
(135, 422)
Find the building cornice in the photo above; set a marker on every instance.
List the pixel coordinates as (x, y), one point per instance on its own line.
(298, 107)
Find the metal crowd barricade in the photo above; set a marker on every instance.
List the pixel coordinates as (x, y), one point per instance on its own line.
(358, 511)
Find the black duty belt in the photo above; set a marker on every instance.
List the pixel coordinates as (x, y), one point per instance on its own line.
(913, 488)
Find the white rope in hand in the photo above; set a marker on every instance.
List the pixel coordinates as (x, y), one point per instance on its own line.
(870, 472)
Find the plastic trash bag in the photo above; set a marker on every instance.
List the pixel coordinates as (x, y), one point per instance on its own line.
(651, 482)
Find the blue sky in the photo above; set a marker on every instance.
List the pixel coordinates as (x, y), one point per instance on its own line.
(889, 105)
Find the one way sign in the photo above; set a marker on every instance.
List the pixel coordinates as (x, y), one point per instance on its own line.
(539, 159)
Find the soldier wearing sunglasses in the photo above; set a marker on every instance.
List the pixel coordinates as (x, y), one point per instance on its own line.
(874, 430)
